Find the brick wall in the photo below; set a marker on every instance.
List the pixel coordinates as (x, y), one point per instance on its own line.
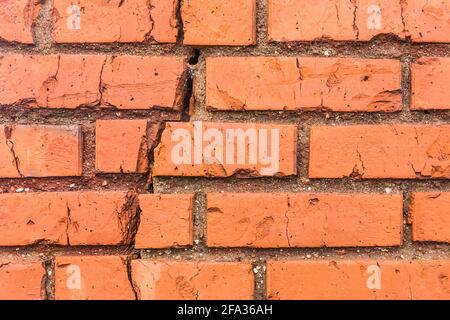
(240, 149)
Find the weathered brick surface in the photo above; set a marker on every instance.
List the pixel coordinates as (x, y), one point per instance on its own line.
(358, 20)
(216, 22)
(122, 146)
(179, 154)
(165, 221)
(380, 151)
(429, 85)
(114, 21)
(21, 280)
(303, 220)
(189, 280)
(16, 20)
(66, 218)
(40, 151)
(429, 216)
(289, 83)
(358, 279)
(211, 149)
(72, 81)
(92, 278)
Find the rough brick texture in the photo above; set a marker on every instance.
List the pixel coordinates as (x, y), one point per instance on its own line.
(67, 218)
(380, 151)
(165, 221)
(347, 279)
(21, 280)
(289, 83)
(429, 216)
(92, 278)
(216, 22)
(304, 220)
(72, 81)
(188, 280)
(122, 146)
(114, 21)
(358, 20)
(40, 151)
(224, 149)
(429, 85)
(16, 20)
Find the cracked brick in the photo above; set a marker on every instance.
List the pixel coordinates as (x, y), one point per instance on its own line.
(289, 83)
(40, 151)
(101, 21)
(403, 151)
(68, 218)
(16, 20)
(265, 220)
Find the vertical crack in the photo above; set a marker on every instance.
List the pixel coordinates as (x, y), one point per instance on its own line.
(10, 144)
(180, 36)
(130, 277)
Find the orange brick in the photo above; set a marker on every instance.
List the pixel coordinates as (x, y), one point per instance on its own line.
(429, 216)
(358, 279)
(427, 20)
(40, 151)
(66, 218)
(429, 84)
(21, 280)
(73, 81)
(16, 20)
(289, 83)
(134, 82)
(380, 151)
(92, 278)
(216, 22)
(165, 221)
(360, 20)
(190, 280)
(212, 150)
(67, 81)
(114, 21)
(303, 220)
(121, 146)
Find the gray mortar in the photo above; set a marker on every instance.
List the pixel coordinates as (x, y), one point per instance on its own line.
(385, 46)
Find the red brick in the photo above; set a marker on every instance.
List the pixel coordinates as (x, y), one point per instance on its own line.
(21, 280)
(114, 21)
(429, 216)
(73, 81)
(121, 146)
(67, 218)
(265, 220)
(356, 279)
(16, 20)
(427, 20)
(134, 82)
(165, 221)
(52, 81)
(289, 83)
(40, 151)
(216, 22)
(429, 84)
(380, 151)
(92, 278)
(180, 150)
(190, 280)
(305, 20)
